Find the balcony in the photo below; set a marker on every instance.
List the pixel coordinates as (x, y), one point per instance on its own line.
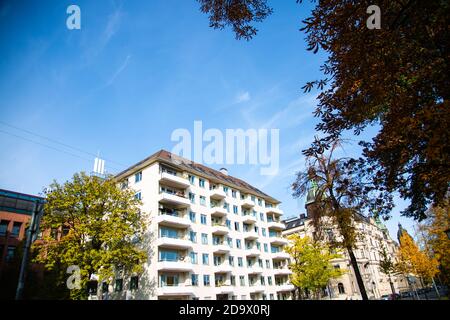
(223, 289)
(173, 220)
(172, 180)
(250, 235)
(180, 290)
(255, 269)
(282, 271)
(280, 255)
(252, 252)
(248, 217)
(176, 243)
(275, 225)
(278, 240)
(219, 229)
(222, 268)
(217, 193)
(179, 265)
(177, 199)
(284, 287)
(221, 248)
(256, 288)
(218, 211)
(274, 210)
(247, 203)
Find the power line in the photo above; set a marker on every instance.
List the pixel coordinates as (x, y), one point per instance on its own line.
(51, 147)
(60, 143)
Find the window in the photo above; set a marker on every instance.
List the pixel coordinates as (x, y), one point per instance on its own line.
(233, 280)
(138, 196)
(271, 296)
(203, 200)
(263, 281)
(231, 261)
(194, 279)
(168, 280)
(134, 283)
(260, 203)
(261, 216)
(119, 285)
(258, 246)
(253, 198)
(233, 193)
(204, 238)
(337, 266)
(236, 226)
(193, 256)
(203, 219)
(206, 281)
(235, 209)
(268, 264)
(263, 231)
(3, 228)
(238, 243)
(226, 206)
(166, 232)
(201, 183)
(240, 262)
(242, 280)
(138, 176)
(266, 248)
(230, 242)
(260, 263)
(168, 255)
(191, 179)
(225, 189)
(205, 259)
(193, 236)
(269, 280)
(10, 253)
(192, 197)
(192, 216)
(16, 229)
(228, 224)
(341, 288)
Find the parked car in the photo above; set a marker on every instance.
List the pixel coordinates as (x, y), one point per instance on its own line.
(391, 296)
(385, 297)
(406, 294)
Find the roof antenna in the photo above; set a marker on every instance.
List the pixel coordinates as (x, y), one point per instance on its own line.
(99, 165)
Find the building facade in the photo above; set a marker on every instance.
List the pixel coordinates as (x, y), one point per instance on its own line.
(211, 236)
(373, 235)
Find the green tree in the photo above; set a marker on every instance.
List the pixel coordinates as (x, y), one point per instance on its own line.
(387, 265)
(90, 222)
(395, 77)
(311, 264)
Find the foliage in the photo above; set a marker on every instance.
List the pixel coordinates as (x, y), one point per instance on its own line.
(388, 266)
(104, 227)
(436, 241)
(411, 260)
(238, 13)
(311, 266)
(395, 77)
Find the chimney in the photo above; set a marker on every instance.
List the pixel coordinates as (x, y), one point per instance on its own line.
(224, 171)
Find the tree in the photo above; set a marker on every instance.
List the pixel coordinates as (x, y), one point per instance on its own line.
(395, 77)
(311, 267)
(436, 241)
(337, 195)
(411, 260)
(93, 224)
(387, 265)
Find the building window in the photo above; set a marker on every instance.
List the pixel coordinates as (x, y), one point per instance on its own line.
(201, 183)
(192, 216)
(258, 245)
(3, 228)
(138, 196)
(261, 216)
(226, 206)
(233, 193)
(203, 219)
(194, 279)
(191, 179)
(225, 189)
(228, 224)
(341, 288)
(10, 253)
(260, 204)
(269, 280)
(203, 200)
(204, 238)
(236, 226)
(263, 281)
(193, 257)
(263, 231)
(242, 280)
(205, 259)
(233, 280)
(266, 247)
(192, 197)
(252, 198)
(119, 285)
(240, 262)
(235, 209)
(238, 243)
(271, 296)
(16, 229)
(193, 236)
(134, 283)
(230, 242)
(138, 176)
(206, 281)
(268, 264)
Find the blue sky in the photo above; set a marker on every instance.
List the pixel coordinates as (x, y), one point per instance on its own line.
(138, 70)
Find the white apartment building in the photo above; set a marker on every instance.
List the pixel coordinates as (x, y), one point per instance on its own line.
(373, 235)
(211, 236)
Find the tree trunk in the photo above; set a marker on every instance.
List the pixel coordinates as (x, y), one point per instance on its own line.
(358, 276)
(392, 285)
